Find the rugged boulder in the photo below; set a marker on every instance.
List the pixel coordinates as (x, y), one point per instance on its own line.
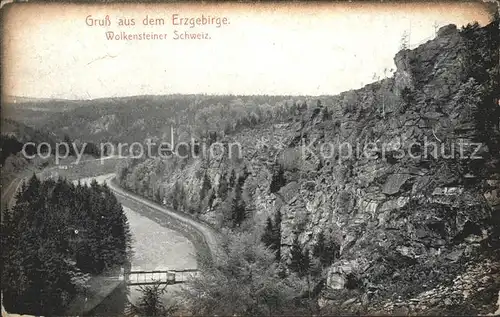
(402, 175)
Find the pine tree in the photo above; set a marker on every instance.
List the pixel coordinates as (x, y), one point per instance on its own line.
(205, 187)
(300, 261)
(324, 250)
(277, 234)
(272, 235)
(157, 194)
(30, 191)
(267, 236)
(232, 179)
(55, 232)
(150, 303)
(238, 204)
(178, 196)
(223, 188)
(238, 209)
(319, 249)
(278, 179)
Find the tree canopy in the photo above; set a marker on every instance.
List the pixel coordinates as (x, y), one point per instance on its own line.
(55, 238)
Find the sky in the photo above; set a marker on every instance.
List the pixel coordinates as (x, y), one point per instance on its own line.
(50, 51)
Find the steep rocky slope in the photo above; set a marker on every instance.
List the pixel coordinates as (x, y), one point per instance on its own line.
(410, 193)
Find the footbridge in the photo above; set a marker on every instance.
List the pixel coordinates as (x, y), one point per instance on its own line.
(158, 276)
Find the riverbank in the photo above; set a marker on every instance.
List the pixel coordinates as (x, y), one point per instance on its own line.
(155, 246)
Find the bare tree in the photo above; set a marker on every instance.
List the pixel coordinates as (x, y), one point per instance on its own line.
(436, 27)
(405, 40)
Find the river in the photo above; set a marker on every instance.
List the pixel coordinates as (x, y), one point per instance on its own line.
(155, 247)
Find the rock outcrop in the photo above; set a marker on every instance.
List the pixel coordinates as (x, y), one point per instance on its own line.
(402, 174)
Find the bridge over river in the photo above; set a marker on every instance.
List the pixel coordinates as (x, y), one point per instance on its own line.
(161, 277)
(155, 236)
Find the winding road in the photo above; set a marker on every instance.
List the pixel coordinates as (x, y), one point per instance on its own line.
(158, 212)
(9, 192)
(155, 212)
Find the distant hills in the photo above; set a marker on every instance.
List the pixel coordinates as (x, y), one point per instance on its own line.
(23, 99)
(135, 118)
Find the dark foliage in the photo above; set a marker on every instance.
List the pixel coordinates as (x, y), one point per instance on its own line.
(272, 235)
(300, 260)
(93, 149)
(150, 302)
(10, 145)
(481, 63)
(223, 188)
(178, 197)
(325, 251)
(205, 187)
(238, 204)
(57, 236)
(278, 179)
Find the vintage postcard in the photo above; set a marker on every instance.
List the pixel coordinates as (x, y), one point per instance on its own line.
(250, 159)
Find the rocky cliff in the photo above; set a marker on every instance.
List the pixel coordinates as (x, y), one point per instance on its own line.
(401, 175)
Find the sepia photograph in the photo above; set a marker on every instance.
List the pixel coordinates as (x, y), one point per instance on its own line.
(250, 158)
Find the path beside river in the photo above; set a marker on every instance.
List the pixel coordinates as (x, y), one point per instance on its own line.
(155, 247)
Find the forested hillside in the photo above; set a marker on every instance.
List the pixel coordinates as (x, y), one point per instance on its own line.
(407, 229)
(383, 199)
(134, 119)
(40, 151)
(13, 136)
(55, 240)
